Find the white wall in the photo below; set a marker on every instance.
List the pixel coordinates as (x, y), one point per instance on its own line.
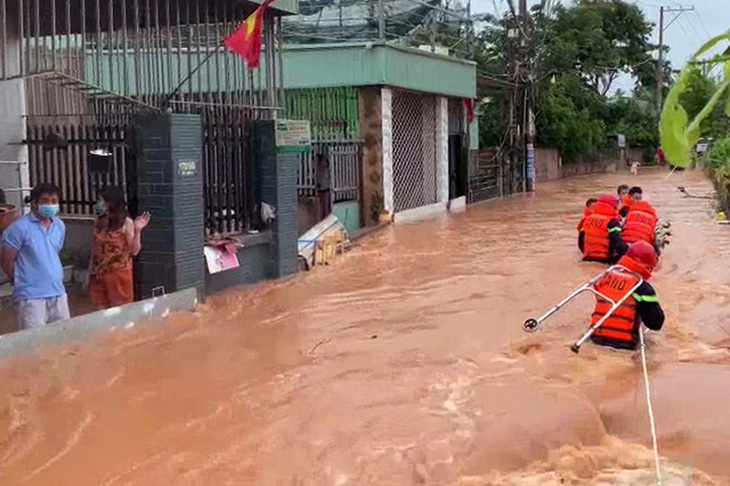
(387, 114)
(12, 122)
(442, 149)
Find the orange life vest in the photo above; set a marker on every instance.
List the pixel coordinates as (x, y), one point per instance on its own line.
(586, 212)
(626, 201)
(622, 326)
(640, 223)
(595, 226)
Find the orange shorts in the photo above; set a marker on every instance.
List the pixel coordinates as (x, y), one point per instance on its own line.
(112, 289)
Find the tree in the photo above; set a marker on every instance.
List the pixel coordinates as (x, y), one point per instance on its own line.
(598, 40)
(635, 117)
(566, 119)
(579, 52)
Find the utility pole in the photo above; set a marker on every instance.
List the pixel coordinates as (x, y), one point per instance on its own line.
(525, 81)
(660, 62)
(381, 20)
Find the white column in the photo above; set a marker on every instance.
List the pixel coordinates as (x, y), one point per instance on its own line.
(442, 149)
(387, 114)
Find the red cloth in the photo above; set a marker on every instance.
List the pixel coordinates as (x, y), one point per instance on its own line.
(246, 41)
(469, 105)
(112, 289)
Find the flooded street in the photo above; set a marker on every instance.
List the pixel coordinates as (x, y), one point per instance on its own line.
(402, 363)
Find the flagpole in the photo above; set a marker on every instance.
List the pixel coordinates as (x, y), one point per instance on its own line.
(190, 75)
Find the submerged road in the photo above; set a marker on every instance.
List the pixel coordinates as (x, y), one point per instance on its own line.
(402, 363)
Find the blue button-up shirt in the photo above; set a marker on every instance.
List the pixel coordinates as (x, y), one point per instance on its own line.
(38, 269)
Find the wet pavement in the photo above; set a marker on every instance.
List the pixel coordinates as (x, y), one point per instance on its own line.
(402, 363)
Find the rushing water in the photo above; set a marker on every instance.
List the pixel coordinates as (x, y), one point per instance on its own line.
(402, 363)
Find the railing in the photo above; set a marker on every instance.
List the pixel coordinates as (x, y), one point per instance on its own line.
(89, 65)
(343, 160)
(59, 153)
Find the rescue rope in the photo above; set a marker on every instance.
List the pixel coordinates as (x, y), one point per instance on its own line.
(651, 409)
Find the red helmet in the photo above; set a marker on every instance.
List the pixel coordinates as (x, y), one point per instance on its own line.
(644, 253)
(609, 199)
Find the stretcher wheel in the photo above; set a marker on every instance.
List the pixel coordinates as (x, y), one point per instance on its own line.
(575, 348)
(531, 325)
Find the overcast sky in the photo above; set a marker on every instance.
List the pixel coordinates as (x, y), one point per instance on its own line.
(683, 37)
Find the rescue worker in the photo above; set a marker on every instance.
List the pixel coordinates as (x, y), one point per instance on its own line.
(589, 209)
(621, 330)
(624, 200)
(603, 241)
(635, 195)
(641, 222)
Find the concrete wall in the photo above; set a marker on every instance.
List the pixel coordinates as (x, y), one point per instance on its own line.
(256, 264)
(547, 165)
(585, 168)
(12, 121)
(114, 319)
(637, 154)
(349, 215)
(79, 235)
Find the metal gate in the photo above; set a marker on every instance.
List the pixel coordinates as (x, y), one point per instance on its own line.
(414, 150)
(494, 173)
(59, 153)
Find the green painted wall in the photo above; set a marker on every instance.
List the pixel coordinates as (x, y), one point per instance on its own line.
(349, 214)
(359, 64)
(320, 66)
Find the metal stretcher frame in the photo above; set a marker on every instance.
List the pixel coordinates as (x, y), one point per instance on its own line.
(532, 324)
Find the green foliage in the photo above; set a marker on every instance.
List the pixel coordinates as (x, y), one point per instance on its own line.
(698, 91)
(578, 51)
(492, 125)
(718, 157)
(598, 41)
(678, 135)
(634, 117)
(567, 120)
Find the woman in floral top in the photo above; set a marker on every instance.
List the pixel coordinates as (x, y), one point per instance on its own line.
(117, 238)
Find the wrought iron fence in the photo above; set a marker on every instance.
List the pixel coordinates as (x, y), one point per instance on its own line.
(494, 173)
(60, 153)
(334, 117)
(83, 61)
(345, 160)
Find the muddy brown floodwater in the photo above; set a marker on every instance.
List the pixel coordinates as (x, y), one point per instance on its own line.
(402, 363)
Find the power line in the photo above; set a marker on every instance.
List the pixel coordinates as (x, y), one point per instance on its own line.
(702, 24)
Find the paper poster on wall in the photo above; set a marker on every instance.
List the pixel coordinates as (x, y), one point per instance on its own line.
(531, 162)
(293, 136)
(220, 258)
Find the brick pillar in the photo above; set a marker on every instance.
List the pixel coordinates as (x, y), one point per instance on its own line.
(277, 186)
(170, 187)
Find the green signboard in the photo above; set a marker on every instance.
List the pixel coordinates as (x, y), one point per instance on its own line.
(293, 136)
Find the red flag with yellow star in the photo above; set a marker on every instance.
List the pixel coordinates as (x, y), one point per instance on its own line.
(246, 41)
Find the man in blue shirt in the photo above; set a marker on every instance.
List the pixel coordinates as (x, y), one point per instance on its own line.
(30, 259)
